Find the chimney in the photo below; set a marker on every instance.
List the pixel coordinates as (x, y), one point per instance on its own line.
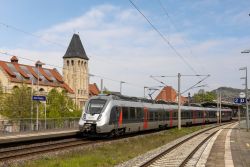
(14, 59)
(39, 64)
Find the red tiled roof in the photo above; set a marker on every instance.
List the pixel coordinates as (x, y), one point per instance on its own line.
(6, 68)
(33, 72)
(65, 86)
(93, 89)
(169, 94)
(44, 74)
(56, 75)
(21, 73)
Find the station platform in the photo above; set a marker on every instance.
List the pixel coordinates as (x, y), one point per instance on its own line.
(231, 148)
(36, 135)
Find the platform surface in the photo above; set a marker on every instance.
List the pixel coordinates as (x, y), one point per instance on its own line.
(231, 148)
(19, 137)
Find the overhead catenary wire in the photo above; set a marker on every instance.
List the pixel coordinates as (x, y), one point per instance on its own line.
(164, 38)
(90, 74)
(55, 43)
(31, 34)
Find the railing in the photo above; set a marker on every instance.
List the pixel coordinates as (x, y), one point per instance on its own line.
(27, 125)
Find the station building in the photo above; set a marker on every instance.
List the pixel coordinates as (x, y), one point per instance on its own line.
(75, 79)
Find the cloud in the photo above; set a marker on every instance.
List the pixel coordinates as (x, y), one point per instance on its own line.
(121, 47)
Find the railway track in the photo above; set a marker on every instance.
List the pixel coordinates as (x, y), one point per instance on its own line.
(181, 153)
(14, 153)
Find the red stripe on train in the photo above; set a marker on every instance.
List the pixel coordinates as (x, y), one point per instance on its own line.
(120, 117)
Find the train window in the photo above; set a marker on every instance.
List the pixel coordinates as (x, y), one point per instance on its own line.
(139, 112)
(164, 116)
(95, 106)
(167, 115)
(175, 114)
(161, 115)
(151, 116)
(132, 113)
(125, 113)
(156, 116)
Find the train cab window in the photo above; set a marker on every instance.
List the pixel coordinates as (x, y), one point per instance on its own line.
(95, 106)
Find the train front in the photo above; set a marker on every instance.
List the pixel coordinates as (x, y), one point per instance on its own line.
(94, 115)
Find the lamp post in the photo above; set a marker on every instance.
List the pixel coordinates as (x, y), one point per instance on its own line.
(145, 87)
(246, 91)
(122, 82)
(38, 65)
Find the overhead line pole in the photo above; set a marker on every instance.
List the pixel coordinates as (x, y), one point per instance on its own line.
(179, 101)
(179, 91)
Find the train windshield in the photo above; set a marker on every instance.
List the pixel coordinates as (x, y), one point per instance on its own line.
(95, 106)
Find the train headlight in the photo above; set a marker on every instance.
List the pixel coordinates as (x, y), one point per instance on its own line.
(84, 116)
(99, 117)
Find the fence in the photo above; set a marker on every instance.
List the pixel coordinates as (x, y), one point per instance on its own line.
(27, 125)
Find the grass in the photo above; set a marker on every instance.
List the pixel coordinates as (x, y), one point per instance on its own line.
(111, 154)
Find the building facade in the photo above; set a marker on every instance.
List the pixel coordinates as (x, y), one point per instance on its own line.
(40, 79)
(74, 81)
(75, 70)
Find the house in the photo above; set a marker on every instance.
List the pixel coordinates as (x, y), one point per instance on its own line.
(93, 90)
(75, 78)
(168, 94)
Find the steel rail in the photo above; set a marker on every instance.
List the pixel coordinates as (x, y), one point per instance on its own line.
(154, 159)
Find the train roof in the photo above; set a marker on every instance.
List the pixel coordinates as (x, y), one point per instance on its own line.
(144, 100)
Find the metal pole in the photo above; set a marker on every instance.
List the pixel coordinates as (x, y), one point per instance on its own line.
(45, 121)
(247, 103)
(31, 110)
(145, 87)
(220, 108)
(37, 110)
(179, 101)
(218, 111)
(101, 86)
(239, 115)
(121, 87)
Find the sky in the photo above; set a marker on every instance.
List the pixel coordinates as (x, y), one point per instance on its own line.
(201, 37)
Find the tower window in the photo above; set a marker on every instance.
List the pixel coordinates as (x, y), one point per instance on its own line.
(72, 62)
(82, 63)
(78, 62)
(67, 62)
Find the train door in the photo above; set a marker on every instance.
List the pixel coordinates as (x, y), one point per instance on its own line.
(194, 116)
(116, 118)
(170, 118)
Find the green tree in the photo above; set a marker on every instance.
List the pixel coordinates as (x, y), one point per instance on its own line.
(60, 105)
(18, 103)
(204, 97)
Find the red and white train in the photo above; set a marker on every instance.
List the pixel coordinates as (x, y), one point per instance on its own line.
(117, 115)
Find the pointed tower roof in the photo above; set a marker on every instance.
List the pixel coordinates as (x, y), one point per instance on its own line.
(75, 49)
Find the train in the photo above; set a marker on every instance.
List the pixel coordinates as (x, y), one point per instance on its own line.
(115, 115)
